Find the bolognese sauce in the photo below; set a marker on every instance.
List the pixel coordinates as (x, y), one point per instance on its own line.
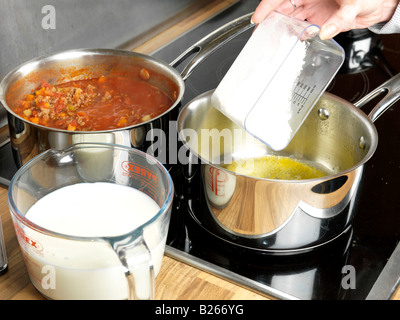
(103, 103)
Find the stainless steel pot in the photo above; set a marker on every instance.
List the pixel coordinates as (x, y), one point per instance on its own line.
(28, 139)
(283, 216)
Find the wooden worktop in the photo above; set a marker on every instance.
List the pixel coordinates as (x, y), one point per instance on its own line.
(176, 280)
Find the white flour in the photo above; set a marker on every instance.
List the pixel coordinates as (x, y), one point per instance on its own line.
(271, 119)
(256, 92)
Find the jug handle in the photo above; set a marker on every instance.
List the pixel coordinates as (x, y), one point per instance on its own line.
(212, 42)
(392, 89)
(137, 250)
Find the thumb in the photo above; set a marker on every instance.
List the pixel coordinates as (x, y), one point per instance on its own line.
(342, 20)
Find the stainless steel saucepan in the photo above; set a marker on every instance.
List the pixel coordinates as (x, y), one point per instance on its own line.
(282, 216)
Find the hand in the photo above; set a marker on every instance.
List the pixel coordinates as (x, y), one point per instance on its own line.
(333, 16)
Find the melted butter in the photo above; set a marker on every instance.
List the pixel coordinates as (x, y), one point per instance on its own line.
(275, 167)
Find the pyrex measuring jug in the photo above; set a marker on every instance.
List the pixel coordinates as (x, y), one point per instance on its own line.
(97, 242)
(277, 78)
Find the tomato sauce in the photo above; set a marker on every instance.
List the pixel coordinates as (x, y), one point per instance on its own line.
(103, 103)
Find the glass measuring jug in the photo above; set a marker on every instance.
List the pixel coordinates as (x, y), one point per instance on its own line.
(277, 78)
(88, 260)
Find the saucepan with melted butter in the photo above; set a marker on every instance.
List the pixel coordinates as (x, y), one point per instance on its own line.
(288, 201)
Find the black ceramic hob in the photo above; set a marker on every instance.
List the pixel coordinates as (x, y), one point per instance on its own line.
(367, 251)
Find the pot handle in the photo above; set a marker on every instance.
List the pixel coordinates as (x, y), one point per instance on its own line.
(392, 89)
(212, 42)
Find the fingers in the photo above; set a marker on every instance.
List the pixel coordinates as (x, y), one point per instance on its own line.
(334, 16)
(263, 9)
(266, 6)
(329, 31)
(300, 13)
(343, 20)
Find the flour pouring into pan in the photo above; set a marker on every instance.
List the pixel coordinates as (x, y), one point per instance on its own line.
(277, 78)
(271, 117)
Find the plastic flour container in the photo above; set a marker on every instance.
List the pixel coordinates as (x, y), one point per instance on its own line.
(277, 78)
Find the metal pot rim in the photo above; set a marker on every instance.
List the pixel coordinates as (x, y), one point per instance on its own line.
(361, 114)
(31, 65)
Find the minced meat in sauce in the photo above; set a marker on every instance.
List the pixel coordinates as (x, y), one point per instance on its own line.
(103, 103)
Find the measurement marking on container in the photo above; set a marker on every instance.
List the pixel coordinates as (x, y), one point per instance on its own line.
(301, 94)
